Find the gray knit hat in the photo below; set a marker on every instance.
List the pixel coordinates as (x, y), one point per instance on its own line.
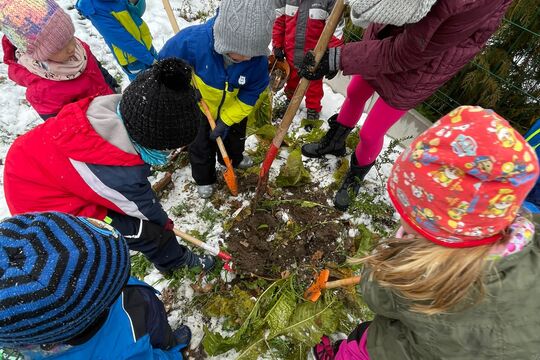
(244, 27)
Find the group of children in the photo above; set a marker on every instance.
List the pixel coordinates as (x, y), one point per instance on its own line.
(459, 280)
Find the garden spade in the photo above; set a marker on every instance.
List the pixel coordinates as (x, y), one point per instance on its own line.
(215, 251)
(313, 293)
(320, 49)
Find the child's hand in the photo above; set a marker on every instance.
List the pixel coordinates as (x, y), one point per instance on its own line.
(328, 66)
(279, 54)
(169, 225)
(221, 130)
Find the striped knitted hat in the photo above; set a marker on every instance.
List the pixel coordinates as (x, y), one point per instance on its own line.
(58, 273)
(38, 27)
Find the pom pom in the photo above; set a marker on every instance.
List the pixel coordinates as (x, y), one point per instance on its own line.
(174, 73)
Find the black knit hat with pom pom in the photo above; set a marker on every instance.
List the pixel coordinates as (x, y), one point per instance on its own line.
(160, 108)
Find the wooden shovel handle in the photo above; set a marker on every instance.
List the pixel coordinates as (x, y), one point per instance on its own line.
(170, 15)
(342, 283)
(212, 122)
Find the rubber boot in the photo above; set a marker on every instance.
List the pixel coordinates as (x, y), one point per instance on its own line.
(311, 115)
(351, 184)
(333, 142)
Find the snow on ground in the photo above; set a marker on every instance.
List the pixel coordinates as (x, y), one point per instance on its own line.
(17, 117)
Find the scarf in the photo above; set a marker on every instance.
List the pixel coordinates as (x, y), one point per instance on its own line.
(149, 156)
(52, 70)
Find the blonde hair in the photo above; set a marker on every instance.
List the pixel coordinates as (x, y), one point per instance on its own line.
(435, 279)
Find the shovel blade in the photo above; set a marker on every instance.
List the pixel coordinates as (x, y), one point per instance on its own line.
(230, 177)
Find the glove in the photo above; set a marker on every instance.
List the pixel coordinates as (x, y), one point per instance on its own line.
(328, 66)
(221, 130)
(169, 225)
(279, 54)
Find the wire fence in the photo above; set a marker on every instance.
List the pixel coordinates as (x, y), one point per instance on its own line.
(505, 76)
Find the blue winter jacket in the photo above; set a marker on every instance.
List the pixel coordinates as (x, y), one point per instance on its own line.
(230, 92)
(123, 336)
(123, 29)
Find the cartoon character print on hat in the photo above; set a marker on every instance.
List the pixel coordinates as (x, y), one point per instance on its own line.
(462, 182)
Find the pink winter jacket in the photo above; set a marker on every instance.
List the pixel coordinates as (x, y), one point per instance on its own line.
(407, 64)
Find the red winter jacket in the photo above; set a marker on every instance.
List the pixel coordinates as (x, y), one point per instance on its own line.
(299, 24)
(48, 97)
(407, 64)
(65, 165)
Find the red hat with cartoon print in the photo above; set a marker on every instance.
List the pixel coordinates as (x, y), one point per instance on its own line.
(462, 182)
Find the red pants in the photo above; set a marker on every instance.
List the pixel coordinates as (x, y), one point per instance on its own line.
(314, 92)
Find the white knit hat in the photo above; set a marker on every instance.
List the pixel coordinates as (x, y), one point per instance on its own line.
(389, 12)
(244, 27)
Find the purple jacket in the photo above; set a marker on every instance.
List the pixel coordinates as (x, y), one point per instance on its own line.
(407, 64)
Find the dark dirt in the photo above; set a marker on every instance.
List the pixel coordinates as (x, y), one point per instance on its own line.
(286, 234)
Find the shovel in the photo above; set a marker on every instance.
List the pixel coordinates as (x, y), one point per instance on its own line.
(313, 293)
(214, 251)
(228, 175)
(320, 49)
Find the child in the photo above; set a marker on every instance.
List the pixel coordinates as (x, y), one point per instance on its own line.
(67, 294)
(98, 165)
(463, 282)
(404, 64)
(123, 29)
(228, 55)
(297, 30)
(43, 55)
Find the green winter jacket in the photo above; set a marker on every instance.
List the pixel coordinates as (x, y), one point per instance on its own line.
(505, 325)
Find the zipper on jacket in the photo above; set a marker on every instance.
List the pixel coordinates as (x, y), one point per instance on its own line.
(223, 97)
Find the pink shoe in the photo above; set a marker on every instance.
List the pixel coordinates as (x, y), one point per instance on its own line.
(325, 350)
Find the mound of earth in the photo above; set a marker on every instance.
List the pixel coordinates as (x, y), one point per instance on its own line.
(293, 231)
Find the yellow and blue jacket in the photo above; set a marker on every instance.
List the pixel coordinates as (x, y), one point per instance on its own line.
(122, 27)
(230, 92)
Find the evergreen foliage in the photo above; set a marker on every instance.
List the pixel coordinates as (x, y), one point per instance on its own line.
(505, 76)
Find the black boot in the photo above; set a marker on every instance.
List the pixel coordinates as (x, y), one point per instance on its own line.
(351, 184)
(333, 142)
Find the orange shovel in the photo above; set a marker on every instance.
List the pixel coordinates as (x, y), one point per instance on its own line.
(313, 293)
(228, 174)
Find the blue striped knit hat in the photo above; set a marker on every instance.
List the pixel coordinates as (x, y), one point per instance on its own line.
(58, 273)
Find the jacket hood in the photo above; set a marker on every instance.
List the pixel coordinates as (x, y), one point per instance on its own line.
(73, 133)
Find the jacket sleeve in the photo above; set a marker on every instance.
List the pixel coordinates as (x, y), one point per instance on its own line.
(247, 97)
(17, 73)
(116, 34)
(278, 32)
(125, 186)
(417, 44)
(149, 322)
(337, 37)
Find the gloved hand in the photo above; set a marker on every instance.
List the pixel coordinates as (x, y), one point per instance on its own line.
(221, 130)
(169, 225)
(279, 54)
(328, 66)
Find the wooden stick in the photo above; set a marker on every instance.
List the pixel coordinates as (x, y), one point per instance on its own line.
(342, 283)
(170, 15)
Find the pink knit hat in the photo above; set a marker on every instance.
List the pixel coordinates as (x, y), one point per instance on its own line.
(462, 182)
(38, 27)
